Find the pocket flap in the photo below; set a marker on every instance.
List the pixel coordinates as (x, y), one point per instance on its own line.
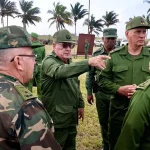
(145, 68)
(120, 68)
(64, 109)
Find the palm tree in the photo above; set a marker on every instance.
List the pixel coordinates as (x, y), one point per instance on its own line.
(110, 18)
(29, 14)
(60, 16)
(147, 18)
(94, 25)
(78, 13)
(7, 8)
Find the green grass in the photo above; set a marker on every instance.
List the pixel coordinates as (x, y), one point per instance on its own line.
(89, 136)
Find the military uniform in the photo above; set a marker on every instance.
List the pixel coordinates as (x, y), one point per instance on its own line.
(86, 48)
(61, 93)
(102, 99)
(123, 69)
(135, 134)
(40, 55)
(18, 106)
(24, 122)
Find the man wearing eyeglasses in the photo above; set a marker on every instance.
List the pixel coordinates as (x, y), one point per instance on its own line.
(24, 122)
(60, 88)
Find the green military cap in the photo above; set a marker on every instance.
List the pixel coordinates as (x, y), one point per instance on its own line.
(137, 22)
(34, 35)
(15, 36)
(110, 32)
(63, 36)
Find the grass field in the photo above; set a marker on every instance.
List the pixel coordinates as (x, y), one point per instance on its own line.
(88, 137)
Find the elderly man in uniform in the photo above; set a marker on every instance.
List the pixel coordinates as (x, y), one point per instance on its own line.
(61, 93)
(128, 67)
(40, 54)
(24, 122)
(102, 99)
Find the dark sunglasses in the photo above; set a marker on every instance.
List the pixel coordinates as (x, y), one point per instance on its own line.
(111, 38)
(23, 55)
(66, 45)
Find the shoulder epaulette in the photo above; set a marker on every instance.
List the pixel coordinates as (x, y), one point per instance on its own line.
(144, 85)
(116, 49)
(23, 91)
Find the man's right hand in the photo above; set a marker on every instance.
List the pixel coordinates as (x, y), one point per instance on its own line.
(127, 90)
(99, 61)
(90, 99)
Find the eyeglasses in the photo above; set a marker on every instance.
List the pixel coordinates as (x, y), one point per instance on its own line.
(23, 55)
(111, 38)
(66, 45)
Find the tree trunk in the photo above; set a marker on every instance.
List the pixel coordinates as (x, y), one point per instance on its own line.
(75, 28)
(7, 20)
(2, 21)
(24, 25)
(89, 17)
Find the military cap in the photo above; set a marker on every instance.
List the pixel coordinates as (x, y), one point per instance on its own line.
(34, 35)
(110, 32)
(62, 36)
(14, 37)
(137, 22)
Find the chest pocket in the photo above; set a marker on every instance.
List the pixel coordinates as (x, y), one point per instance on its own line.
(119, 69)
(120, 74)
(146, 68)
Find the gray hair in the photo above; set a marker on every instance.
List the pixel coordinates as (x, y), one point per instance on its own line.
(7, 54)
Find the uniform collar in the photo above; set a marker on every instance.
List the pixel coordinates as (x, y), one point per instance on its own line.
(144, 51)
(8, 77)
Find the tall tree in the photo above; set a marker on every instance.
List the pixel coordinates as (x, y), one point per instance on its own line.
(110, 18)
(60, 16)
(78, 13)
(7, 8)
(29, 13)
(94, 25)
(147, 18)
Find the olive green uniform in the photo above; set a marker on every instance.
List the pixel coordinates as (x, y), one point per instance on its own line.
(102, 99)
(62, 97)
(135, 134)
(122, 69)
(40, 55)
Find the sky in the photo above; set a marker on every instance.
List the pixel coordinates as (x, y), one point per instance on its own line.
(124, 8)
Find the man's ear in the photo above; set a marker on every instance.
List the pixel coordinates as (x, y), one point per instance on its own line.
(103, 39)
(127, 34)
(18, 63)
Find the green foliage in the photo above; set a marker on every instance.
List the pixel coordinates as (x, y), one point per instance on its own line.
(7, 8)
(60, 16)
(110, 18)
(78, 13)
(29, 14)
(94, 25)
